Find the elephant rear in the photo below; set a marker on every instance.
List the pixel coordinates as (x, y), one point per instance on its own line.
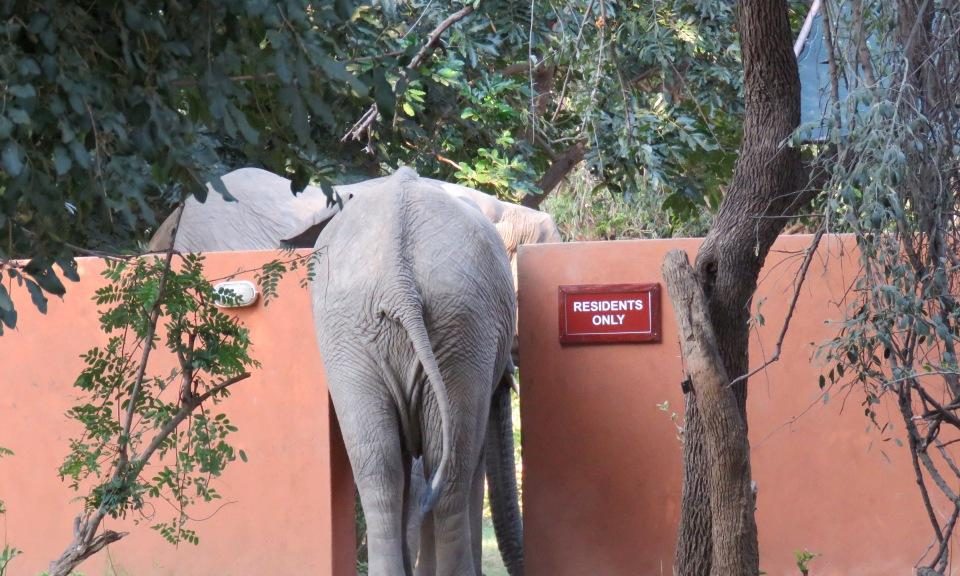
(414, 306)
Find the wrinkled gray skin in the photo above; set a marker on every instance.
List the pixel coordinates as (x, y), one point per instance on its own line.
(414, 308)
(267, 216)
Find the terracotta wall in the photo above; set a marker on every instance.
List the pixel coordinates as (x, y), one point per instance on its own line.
(602, 468)
(289, 510)
(601, 460)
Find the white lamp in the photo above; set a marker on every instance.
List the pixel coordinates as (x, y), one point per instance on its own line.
(235, 294)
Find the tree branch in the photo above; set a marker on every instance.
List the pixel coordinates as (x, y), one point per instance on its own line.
(801, 276)
(140, 461)
(85, 541)
(555, 174)
(365, 123)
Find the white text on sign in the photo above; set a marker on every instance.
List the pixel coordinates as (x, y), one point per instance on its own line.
(607, 305)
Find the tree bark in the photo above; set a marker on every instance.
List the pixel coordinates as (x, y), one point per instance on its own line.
(767, 189)
(556, 172)
(85, 544)
(727, 450)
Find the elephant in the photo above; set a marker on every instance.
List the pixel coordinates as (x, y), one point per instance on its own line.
(266, 215)
(415, 311)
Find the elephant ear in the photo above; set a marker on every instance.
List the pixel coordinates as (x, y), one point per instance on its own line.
(162, 239)
(305, 233)
(508, 233)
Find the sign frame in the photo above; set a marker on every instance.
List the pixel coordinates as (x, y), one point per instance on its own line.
(654, 335)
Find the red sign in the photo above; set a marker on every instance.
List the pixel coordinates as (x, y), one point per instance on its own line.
(599, 313)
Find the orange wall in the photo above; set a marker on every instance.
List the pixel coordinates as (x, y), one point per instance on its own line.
(601, 461)
(277, 515)
(602, 464)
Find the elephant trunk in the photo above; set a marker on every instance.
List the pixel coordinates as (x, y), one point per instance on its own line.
(502, 478)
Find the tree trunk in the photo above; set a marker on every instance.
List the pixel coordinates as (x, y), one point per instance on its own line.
(86, 543)
(733, 529)
(766, 190)
(556, 172)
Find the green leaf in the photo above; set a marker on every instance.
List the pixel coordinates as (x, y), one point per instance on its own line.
(337, 71)
(37, 296)
(45, 276)
(12, 159)
(23, 91)
(248, 131)
(80, 153)
(243, 455)
(6, 304)
(408, 109)
(28, 67)
(9, 317)
(61, 160)
(18, 116)
(383, 94)
(219, 187)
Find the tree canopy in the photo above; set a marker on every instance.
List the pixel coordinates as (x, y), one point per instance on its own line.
(113, 111)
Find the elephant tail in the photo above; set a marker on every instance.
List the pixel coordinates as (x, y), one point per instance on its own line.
(417, 330)
(502, 478)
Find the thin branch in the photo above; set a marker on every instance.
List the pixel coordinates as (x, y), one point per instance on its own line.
(938, 409)
(533, 91)
(145, 356)
(364, 125)
(801, 276)
(940, 560)
(434, 36)
(446, 160)
(903, 401)
(576, 45)
(86, 542)
(946, 457)
(141, 460)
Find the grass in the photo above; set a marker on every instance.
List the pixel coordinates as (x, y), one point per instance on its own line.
(491, 563)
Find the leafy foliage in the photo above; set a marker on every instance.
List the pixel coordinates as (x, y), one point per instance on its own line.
(894, 175)
(652, 89)
(115, 110)
(585, 209)
(129, 415)
(269, 275)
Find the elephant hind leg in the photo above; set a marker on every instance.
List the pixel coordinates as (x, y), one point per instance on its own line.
(370, 431)
(380, 481)
(476, 516)
(409, 549)
(456, 514)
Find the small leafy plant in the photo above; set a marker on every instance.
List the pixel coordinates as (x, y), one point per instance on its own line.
(132, 417)
(804, 557)
(6, 555)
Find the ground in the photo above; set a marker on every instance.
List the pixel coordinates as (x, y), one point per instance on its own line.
(492, 565)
